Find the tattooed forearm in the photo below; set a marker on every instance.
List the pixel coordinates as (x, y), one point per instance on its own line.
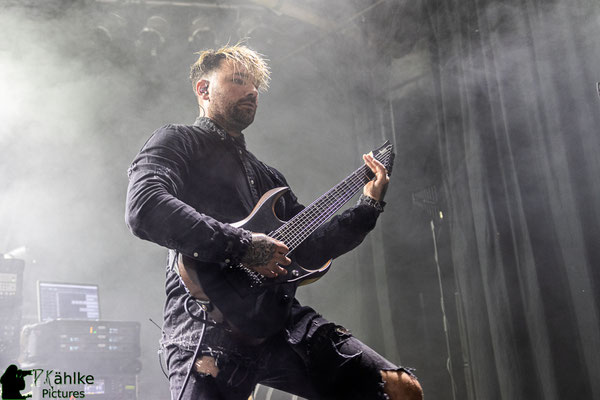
(260, 252)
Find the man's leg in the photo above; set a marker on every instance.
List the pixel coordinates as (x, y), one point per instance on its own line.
(346, 368)
(198, 387)
(207, 380)
(399, 385)
(283, 369)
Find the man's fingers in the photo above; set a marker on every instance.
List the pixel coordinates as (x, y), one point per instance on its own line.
(276, 270)
(282, 259)
(280, 256)
(372, 162)
(271, 271)
(368, 161)
(281, 270)
(265, 271)
(376, 166)
(379, 168)
(376, 187)
(280, 247)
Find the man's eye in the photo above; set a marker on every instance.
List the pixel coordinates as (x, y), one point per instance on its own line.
(238, 81)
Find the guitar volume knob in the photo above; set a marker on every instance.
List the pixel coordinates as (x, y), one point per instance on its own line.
(295, 273)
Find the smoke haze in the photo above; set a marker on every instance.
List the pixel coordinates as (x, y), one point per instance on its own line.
(82, 88)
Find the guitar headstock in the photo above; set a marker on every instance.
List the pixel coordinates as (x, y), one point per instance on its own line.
(385, 155)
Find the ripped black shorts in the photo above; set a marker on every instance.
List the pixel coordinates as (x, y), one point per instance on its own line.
(328, 363)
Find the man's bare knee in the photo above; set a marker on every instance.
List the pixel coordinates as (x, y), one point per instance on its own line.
(206, 365)
(399, 385)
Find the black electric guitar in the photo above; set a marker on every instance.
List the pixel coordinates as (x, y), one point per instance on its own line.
(238, 288)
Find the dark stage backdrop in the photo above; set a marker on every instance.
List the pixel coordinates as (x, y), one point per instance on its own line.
(517, 115)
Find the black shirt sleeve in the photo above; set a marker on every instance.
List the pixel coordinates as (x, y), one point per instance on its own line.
(155, 212)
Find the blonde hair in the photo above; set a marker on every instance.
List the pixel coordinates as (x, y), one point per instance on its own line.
(248, 59)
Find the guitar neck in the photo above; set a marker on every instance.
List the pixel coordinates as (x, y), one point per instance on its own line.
(297, 229)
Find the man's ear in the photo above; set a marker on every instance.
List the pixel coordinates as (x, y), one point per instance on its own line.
(202, 89)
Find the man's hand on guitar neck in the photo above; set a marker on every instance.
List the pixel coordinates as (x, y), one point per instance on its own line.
(265, 254)
(377, 187)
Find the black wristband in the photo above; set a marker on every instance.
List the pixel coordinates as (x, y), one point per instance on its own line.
(378, 205)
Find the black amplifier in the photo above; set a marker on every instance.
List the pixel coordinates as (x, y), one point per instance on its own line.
(79, 341)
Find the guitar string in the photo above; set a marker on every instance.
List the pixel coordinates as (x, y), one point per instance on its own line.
(308, 217)
(315, 223)
(359, 178)
(328, 208)
(323, 205)
(323, 208)
(295, 237)
(314, 204)
(317, 213)
(326, 214)
(312, 209)
(305, 215)
(350, 189)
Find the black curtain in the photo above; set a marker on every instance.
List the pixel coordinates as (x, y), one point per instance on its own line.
(517, 115)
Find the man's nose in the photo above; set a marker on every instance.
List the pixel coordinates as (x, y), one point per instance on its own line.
(252, 92)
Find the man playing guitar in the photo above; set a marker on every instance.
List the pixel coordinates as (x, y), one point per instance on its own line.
(187, 188)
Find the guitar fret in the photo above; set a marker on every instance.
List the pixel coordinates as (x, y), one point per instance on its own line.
(297, 229)
(321, 209)
(316, 214)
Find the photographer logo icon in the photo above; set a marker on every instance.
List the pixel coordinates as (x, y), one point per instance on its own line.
(13, 381)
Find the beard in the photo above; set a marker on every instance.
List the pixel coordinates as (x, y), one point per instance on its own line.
(234, 115)
(242, 115)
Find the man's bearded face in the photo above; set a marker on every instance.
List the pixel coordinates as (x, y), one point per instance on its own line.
(233, 98)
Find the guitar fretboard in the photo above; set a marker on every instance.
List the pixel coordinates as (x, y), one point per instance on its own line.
(297, 229)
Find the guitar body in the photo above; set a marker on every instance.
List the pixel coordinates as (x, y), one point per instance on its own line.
(229, 289)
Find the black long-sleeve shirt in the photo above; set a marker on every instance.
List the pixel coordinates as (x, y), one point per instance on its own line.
(189, 182)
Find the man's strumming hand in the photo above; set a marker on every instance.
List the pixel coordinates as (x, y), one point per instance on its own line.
(265, 254)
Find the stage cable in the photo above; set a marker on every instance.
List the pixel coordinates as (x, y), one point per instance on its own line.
(443, 307)
(197, 351)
